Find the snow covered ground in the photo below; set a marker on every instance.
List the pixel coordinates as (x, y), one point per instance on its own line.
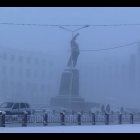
(124, 128)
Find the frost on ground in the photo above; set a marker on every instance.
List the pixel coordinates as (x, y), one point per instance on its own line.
(125, 128)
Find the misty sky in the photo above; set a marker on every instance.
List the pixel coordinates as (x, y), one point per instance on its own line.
(91, 38)
(56, 41)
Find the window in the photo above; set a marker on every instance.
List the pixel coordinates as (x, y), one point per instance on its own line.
(35, 73)
(4, 84)
(19, 85)
(50, 75)
(28, 60)
(28, 86)
(4, 69)
(20, 59)
(44, 62)
(12, 71)
(20, 71)
(28, 72)
(16, 106)
(6, 105)
(43, 88)
(36, 61)
(22, 105)
(4, 56)
(12, 57)
(27, 105)
(51, 63)
(43, 74)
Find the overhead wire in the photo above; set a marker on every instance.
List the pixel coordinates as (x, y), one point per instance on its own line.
(87, 25)
(58, 25)
(105, 49)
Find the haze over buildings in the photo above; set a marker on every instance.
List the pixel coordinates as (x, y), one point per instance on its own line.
(110, 76)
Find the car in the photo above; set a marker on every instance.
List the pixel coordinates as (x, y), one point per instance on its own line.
(14, 108)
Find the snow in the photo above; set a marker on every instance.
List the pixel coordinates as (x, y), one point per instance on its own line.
(124, 128)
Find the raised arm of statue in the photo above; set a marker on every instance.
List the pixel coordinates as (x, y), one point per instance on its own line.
(74, 38)
(74, 52)
(73, 41)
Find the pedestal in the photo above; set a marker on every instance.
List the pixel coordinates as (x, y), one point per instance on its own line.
(69, 91)
(69, 84)
(72, 103)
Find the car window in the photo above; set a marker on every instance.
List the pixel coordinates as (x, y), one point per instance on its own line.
(22, 105)
(27, 105)
(16, 106)
(6, 105)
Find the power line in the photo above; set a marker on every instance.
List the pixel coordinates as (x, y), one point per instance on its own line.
(23, 24)
(56, 25)
(62, 26)
(117, 25)
(126, 45)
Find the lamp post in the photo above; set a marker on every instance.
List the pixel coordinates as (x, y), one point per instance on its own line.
(72, 32)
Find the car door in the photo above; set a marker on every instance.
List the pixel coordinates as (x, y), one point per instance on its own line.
(22, 108)
(15, 109)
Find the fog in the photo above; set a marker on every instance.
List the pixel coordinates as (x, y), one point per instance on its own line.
(107, 76)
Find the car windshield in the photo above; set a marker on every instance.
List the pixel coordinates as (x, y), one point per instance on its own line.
(27, 105)
(6, 105)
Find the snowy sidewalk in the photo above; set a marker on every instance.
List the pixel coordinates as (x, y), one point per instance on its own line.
(124, 128)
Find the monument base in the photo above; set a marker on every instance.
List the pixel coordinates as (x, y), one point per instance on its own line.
(72, 103)
(69, 91)
(69, 84)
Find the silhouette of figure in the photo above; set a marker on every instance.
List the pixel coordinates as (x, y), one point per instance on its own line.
(74, 52)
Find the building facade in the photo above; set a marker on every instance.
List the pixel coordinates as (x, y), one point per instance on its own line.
(112, 79)
(24, 76)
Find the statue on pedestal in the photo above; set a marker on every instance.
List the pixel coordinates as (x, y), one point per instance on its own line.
(74, 52)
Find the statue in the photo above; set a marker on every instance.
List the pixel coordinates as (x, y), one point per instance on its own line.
(74, 52)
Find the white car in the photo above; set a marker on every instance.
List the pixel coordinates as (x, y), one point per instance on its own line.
(12, 108)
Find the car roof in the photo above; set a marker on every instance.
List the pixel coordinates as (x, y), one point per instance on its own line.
(15, 102)
(7, 102)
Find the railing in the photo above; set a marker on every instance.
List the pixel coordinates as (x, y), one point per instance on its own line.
(63, 119)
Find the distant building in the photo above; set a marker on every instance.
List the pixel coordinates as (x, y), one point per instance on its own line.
(132, 67)
(24, 76)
